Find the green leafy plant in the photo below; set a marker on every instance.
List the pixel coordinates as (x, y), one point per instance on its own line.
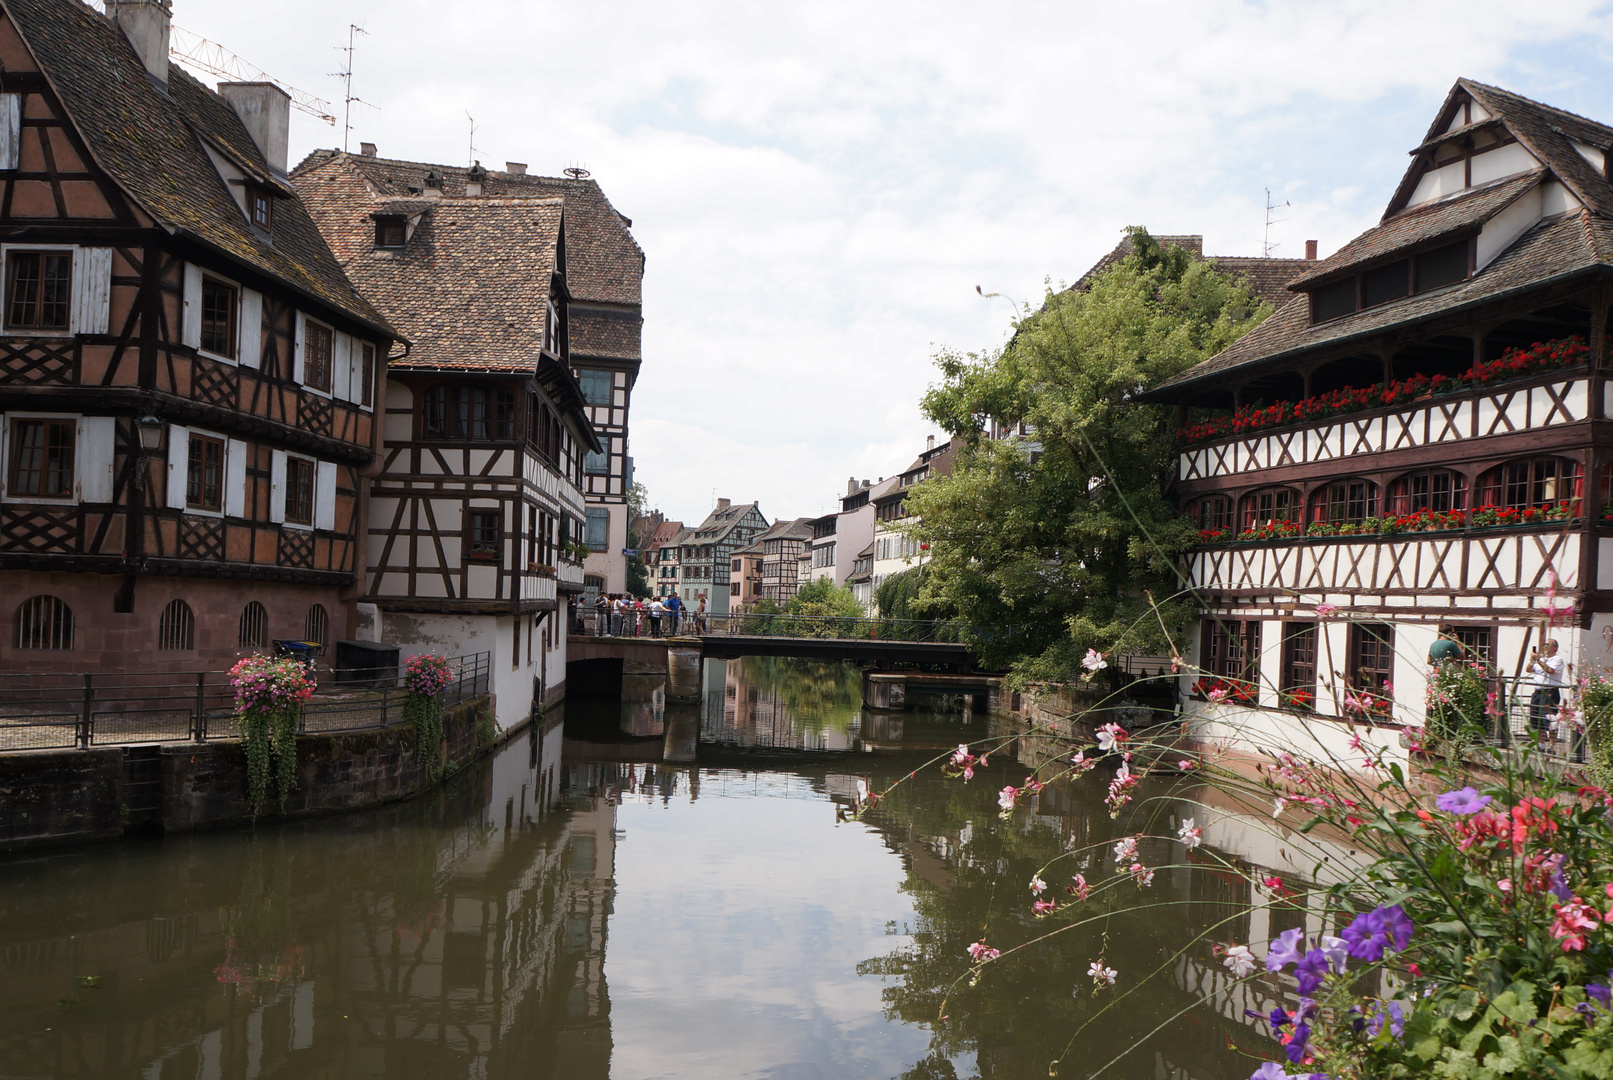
(1458, 704)
(425, 677)
(1596, 701)
(269, 693)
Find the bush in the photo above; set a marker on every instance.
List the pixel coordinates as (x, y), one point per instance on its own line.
(1458, 705)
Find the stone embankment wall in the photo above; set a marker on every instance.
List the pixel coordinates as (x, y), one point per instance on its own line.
(77, 796)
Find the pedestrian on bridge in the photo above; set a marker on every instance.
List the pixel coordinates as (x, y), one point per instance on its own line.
(674, 608)
(602, 614)
(657, 610)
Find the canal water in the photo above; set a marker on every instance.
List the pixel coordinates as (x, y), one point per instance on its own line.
(649, 891)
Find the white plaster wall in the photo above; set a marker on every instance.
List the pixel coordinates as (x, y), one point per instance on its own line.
(1500, 231)
(462, 635)
(1270, 731)
(1505, 160)
(1412, 641)
(1271, 661)
(1437, 183)
(1556, 199)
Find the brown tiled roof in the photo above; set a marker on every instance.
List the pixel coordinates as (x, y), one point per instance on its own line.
(721, 521)
(610, 333)
(1265, 276)
(150, 144)
(604, 262)
(1568, 245)
(1429, 221)
(470, 289)
(1565, 246)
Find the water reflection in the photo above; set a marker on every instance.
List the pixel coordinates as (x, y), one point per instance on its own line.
(555, 914)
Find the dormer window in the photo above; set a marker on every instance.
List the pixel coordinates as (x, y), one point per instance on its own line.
(1423, 272)
(262, 204)
(390, 232)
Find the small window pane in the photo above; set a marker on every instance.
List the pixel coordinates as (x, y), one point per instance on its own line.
(38, 288)
(389, 232)
(317, 627)
(1442, 266)
(1384, 284)
(316, 361)
(486, 527)
(1331, 301)
(204, 482)
(299, 491)
(596, 386)
(254, 626)
(44, 622)
(42, 458)
(218, 318)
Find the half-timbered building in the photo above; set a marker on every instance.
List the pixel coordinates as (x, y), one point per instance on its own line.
(1465, 487)
(604, 314)
(708, 550)
(478, 518)
(187, 379)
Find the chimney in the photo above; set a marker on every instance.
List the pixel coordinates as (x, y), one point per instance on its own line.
(851, 485)
(367, 149)
(1310, 250)
(722, 504)
(265, 110)
(475, 177)
(145, 23)
(929, 443)
(515, 168)
(433, 185)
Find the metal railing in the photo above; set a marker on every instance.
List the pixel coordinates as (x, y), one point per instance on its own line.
(81, 710)
(1516, 720)
(750, 624)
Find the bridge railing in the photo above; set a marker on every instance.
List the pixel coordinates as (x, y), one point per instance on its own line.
(826, 626)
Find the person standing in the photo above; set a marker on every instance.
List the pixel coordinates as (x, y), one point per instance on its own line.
(700, 617)
(657, 610)
(602, 615)
(1548, 672)
(674, 608)
(616, 606)
(1446, 648)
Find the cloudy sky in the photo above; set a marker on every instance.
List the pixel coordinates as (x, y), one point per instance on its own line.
(820, 187)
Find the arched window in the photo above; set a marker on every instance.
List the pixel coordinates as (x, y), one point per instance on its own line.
(254, 626)
(470, 413)
(176, 628)
(1345, 501)
(318, 628)
(1531, 482)
(1212, 513)
(44, 622)
(1439, 491)
(1272, 504)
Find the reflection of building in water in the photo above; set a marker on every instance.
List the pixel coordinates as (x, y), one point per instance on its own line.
(767, 703)
(456, 939)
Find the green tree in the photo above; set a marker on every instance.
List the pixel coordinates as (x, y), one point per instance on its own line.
(1046, 547)
(638, 575)
(820, 600)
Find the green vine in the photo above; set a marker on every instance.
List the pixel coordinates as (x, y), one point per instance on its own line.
(1597, 702)
(1458, 698)
(425, 712)
(269, 737)
(486, 726)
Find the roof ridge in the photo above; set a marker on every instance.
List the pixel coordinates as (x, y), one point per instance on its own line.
(1490, 88)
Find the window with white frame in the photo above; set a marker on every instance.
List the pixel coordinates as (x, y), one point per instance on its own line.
(302, 492)
(56, 457)
(206, 472)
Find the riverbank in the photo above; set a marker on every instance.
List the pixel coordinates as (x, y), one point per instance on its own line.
(51, 798)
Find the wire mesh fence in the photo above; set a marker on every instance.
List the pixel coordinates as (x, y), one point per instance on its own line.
(64, 711)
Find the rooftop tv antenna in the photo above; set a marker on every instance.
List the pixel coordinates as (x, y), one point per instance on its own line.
(470, 150)
(1266, 246)
(346, 75)
(211, 58)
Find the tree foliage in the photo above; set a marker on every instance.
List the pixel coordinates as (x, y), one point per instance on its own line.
(1045, 547)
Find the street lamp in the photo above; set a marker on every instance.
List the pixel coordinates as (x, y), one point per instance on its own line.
(150, 430)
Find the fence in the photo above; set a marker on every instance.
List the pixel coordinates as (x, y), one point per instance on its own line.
(755, 624)
(57, 712)
(1516, 721)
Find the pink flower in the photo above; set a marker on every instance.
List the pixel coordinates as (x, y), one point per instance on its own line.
(1042, 907)
(1184, 765)
(1126, 849)
(1326, 611)
(1240, 961)
(1218, 696)
(1572, 918)
(1103, 976)
(1082, 763)
(1190, 834)
(980, 952)
(1038, 886)
(1081, 889)
(1110, 736)
(1093, 662)
(1007, 796)
(1142, 875)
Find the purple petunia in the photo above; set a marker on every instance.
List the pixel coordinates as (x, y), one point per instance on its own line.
(1600, 993)
(1269, 1071)
(1310, 971)
(1462, 801)
(1390, 1011)
(1285, 950)
(1371, 933)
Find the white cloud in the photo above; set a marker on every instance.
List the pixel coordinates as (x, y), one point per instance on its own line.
(820, 187)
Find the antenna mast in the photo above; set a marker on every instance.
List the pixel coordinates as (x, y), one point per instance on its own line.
(346, 75)
(1266, 246)
(470, 149)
